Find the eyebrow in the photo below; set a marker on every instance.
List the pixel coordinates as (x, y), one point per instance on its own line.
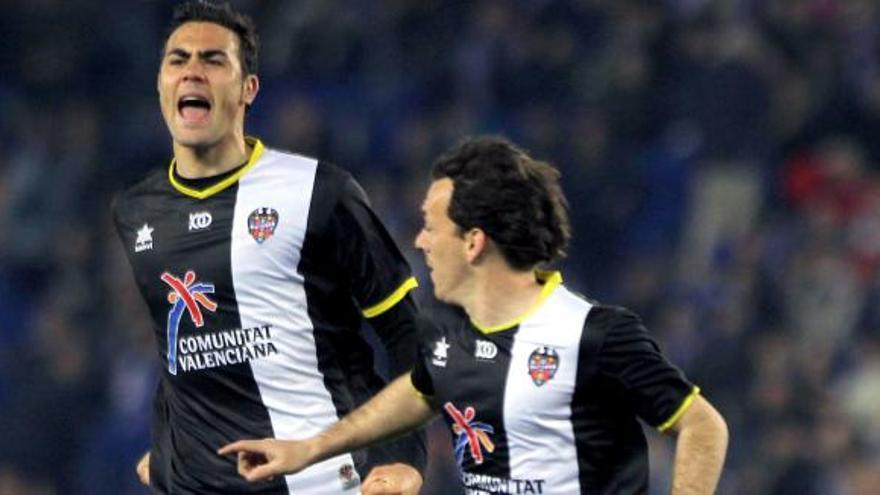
(204, 54)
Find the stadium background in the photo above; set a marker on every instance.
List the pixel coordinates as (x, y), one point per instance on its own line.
(721, 160)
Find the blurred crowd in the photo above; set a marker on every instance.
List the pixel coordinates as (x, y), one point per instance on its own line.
(721, 159)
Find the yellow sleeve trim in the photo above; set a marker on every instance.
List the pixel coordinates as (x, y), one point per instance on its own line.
(550, 280)
(685, 404)
(391, 300)
(426, 398)
(223, 184)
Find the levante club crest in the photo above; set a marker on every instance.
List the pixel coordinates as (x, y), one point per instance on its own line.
(262, 223)
(543, 363)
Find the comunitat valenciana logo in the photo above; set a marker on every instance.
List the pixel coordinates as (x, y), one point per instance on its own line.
(208, 349)
(188, 296)
(470, 434)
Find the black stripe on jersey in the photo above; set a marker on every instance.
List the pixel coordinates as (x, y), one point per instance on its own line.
(345, 359)
(472, 377)
(612, 455)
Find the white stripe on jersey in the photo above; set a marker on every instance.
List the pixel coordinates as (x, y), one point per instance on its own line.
(267, 285)
(537, 419)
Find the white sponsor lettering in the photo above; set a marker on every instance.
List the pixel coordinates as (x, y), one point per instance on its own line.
(485, 350)
(484, 483)
(200, 220)
(228, 347)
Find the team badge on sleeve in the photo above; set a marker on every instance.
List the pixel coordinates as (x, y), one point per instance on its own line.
(262, 223)
(543, 363)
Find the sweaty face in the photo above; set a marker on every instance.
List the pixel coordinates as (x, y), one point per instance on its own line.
(441, 242)
(202, 90)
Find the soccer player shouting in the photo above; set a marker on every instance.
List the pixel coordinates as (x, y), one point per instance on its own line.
(258, 267)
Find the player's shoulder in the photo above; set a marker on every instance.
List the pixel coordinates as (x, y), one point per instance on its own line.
(611, 313)
(332, 182)
(617, 324)
(325, 170)
(132, 195)
(277, 157)
(337, 180)
(442, 319)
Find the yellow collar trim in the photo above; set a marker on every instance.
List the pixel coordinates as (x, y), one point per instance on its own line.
(223, 184)
(551, 280)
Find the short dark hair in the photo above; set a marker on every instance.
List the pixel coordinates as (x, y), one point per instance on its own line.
(223, 15)
(514, 198)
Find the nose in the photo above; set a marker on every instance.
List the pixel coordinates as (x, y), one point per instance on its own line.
(193, 71)
(420, 242)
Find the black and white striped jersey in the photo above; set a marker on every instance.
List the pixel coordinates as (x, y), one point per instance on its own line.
(258, 282)
(548, 403)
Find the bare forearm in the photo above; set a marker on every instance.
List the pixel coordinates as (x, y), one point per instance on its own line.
(395, 410)
(699, 454)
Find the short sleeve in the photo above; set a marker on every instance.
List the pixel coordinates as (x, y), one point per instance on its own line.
(429, 336)
(658, 391)
(366, 253)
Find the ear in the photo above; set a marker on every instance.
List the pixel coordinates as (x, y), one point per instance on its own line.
(476, 243)
(250, 88)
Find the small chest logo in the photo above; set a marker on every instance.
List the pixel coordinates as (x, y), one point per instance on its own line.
(543, 363)
(186, 296)
(262, 223)
(441, 349)
(200, 220)
(470, 434)
(144, 239)
(485, 350)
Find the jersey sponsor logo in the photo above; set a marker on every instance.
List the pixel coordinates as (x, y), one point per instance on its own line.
(480, 484)
(262, 223)
(144, 239)
(200, 220)
(441, 349)
(469, 433)
(224, 348)
(485, 350)
(348, 477)
(543, 363)
(188, 296)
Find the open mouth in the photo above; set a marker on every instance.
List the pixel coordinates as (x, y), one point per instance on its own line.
(193, 108)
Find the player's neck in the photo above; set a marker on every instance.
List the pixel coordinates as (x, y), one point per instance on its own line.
(501, 295)
(194, 162)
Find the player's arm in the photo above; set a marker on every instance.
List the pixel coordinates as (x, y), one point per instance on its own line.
(700, 448)
(663, 397)
(399, 463)
(380, 281)
(398, 408)
(118, 207)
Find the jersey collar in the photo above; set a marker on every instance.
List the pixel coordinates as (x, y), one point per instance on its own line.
(223, 184)
(551, 281)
